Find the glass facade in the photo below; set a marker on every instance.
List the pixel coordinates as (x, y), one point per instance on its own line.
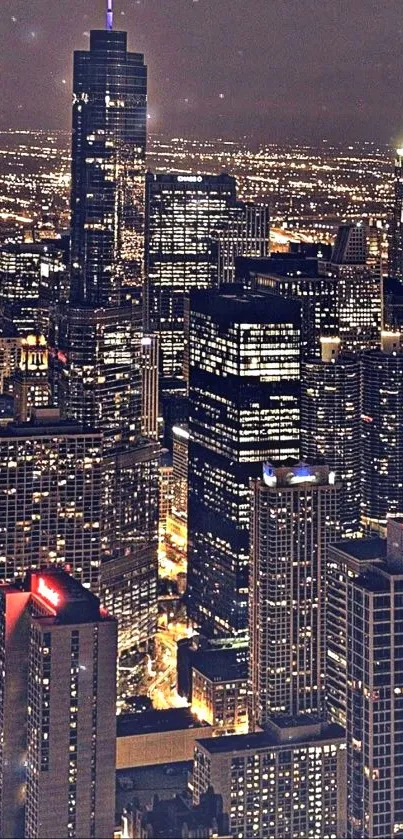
(185, 215)
(244, 366)
(330, 427)
(99, 332)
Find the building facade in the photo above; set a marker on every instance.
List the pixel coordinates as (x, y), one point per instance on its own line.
(278, 783)
(346, 560)
(382, 433)
(331, 424)
(244, 409)
(185, 215)
(319, 304)
(247, 234)
(396, 226)
(375, 701)
(50, 497)
(99, 331)
(294, 518)
(58, 701)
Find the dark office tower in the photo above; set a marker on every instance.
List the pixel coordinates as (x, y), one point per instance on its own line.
(100, 332)
(57, 710)
(375, 701)
(31, 381)
(318, 296)
(185, 216)
(346, 560)
(395, 268)
(247, 234)
(244, 395)
(50, 497)
(294, 518)
(331, 424)
(382, 433)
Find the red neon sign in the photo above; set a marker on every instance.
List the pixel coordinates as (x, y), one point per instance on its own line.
(48, 593)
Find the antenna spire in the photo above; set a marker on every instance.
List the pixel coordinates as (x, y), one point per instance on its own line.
(109, 15)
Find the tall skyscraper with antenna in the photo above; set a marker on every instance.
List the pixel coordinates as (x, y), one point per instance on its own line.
(100, 329)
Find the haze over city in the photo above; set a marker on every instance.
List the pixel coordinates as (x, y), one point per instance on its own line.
(269, 69)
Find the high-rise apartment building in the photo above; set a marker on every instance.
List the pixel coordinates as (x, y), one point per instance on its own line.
(99, 332)
(331, 424)
(346, 560)
(57, 717)
(350, 247)
(33, 277)
(185, 215)
(50, 497)
(382, 432)
(294, 518)
(375, 701)
(244, 369)
(396, 226)
(286, 782)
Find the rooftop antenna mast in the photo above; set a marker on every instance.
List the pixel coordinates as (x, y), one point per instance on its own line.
(109, 15)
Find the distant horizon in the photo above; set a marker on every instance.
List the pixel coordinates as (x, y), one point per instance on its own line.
(292, 141)
(305, 69)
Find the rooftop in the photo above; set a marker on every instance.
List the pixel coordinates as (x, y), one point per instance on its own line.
(68, 601)
(268, 739)
(150, 722)
(233, 304)
(372, 548)
(220, 665)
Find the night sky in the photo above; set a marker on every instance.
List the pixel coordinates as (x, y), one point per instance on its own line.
(270, 69)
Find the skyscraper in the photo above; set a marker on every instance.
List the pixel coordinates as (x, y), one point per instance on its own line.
(331, 424)
(396, 223)
(319, 302)
(57, 710)
(282, 783)
(100, 330)
(247, 233)
(149, 386)
(346, 560)
(50, 497)
(185, 215)
(294, 518)
(359, 287)
(375, 701)
(244, 356)
(108, 154)
(382, 432)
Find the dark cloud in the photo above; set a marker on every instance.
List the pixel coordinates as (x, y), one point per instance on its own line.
(305, 68)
